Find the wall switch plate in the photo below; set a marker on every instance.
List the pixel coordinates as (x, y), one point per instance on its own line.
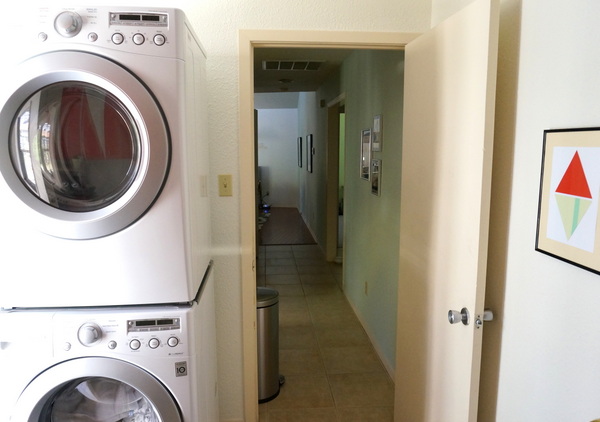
(225, 185)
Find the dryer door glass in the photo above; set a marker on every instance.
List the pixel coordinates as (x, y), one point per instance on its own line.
(100, 400)
(75, 146)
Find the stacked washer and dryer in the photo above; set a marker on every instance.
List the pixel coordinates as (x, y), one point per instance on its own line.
(106, 294)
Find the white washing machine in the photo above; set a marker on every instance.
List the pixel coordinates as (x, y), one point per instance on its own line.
(152, 364)
(104, 160)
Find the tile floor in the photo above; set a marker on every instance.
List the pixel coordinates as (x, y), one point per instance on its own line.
(332, 371)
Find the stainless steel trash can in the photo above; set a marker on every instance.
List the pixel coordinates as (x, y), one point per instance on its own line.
(267, 320)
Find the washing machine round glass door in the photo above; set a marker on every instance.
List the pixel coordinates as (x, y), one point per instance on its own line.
(87, 146)
(94, 390)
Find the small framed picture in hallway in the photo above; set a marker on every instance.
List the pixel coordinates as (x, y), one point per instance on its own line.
(365, 158)
(377, 133)
(299, 141)
(568, 207)
(376, 177)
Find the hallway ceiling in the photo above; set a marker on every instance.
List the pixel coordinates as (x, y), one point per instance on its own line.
(293, 69)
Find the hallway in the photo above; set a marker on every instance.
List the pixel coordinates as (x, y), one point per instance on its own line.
(332, 371)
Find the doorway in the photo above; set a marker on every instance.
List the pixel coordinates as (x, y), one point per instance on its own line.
(249, 40)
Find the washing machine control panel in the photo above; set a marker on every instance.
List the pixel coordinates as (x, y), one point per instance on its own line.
(106, 334)
(149, 31)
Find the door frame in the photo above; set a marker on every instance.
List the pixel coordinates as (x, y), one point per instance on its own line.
(248, 41)
(332, 177)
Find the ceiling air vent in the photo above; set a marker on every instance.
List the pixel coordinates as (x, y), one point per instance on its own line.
(291, 64)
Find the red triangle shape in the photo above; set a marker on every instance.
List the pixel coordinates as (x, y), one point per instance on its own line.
(574, 181)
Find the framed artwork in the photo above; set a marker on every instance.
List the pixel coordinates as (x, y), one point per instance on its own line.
(567, 226)
(377, 133)
(376, 177)
(299, 142)
(365, 155)
(309, 153)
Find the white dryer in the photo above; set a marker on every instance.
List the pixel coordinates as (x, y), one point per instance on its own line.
(104, 161)
(154, 364)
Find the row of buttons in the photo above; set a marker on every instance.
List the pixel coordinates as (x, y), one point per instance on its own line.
(135, 344)
(138, 39)
(118, 38)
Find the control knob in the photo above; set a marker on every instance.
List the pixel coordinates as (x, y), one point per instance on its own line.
(68, 24)
(89, 334)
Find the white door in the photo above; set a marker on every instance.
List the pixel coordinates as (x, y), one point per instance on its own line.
(446, 179)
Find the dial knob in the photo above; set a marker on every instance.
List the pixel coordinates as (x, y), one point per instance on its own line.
(68, 24)
(89, 334)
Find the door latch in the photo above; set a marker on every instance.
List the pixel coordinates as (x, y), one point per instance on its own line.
(488, 315)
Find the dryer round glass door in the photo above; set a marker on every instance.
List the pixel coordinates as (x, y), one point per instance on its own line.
(75, 146)
(94, 390)
(88, 147)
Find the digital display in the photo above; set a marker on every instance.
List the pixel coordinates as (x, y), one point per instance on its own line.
(130, 17)
(140, 19)
(154, 324)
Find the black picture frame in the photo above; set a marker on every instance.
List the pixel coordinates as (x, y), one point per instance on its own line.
(568, 220)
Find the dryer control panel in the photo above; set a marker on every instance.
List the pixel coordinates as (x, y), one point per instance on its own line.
(149, 31)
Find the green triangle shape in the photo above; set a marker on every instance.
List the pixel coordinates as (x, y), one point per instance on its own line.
(572, 209)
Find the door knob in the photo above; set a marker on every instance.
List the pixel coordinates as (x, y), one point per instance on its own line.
(454, 317)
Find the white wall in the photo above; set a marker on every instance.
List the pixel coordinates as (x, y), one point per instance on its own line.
(549, 364)
(276, 100)
(277, 156)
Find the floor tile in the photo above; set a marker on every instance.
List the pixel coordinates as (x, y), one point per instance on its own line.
(362, 390)
(279, 261)
(366, 414)
(278, 248)
(312, 260)
(303, 415)
(292, 289)
(282, 279)
(279, 254)
(297, 337)
(295, 318)
(301, 362)
(355, 359)
(303, 391)
(313, 289)
(281, 269)
(328, 317)
(315, 269)
(292, 302)
(318, 279)
(347, 336)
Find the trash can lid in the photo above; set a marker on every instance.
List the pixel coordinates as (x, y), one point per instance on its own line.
(266, 296)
